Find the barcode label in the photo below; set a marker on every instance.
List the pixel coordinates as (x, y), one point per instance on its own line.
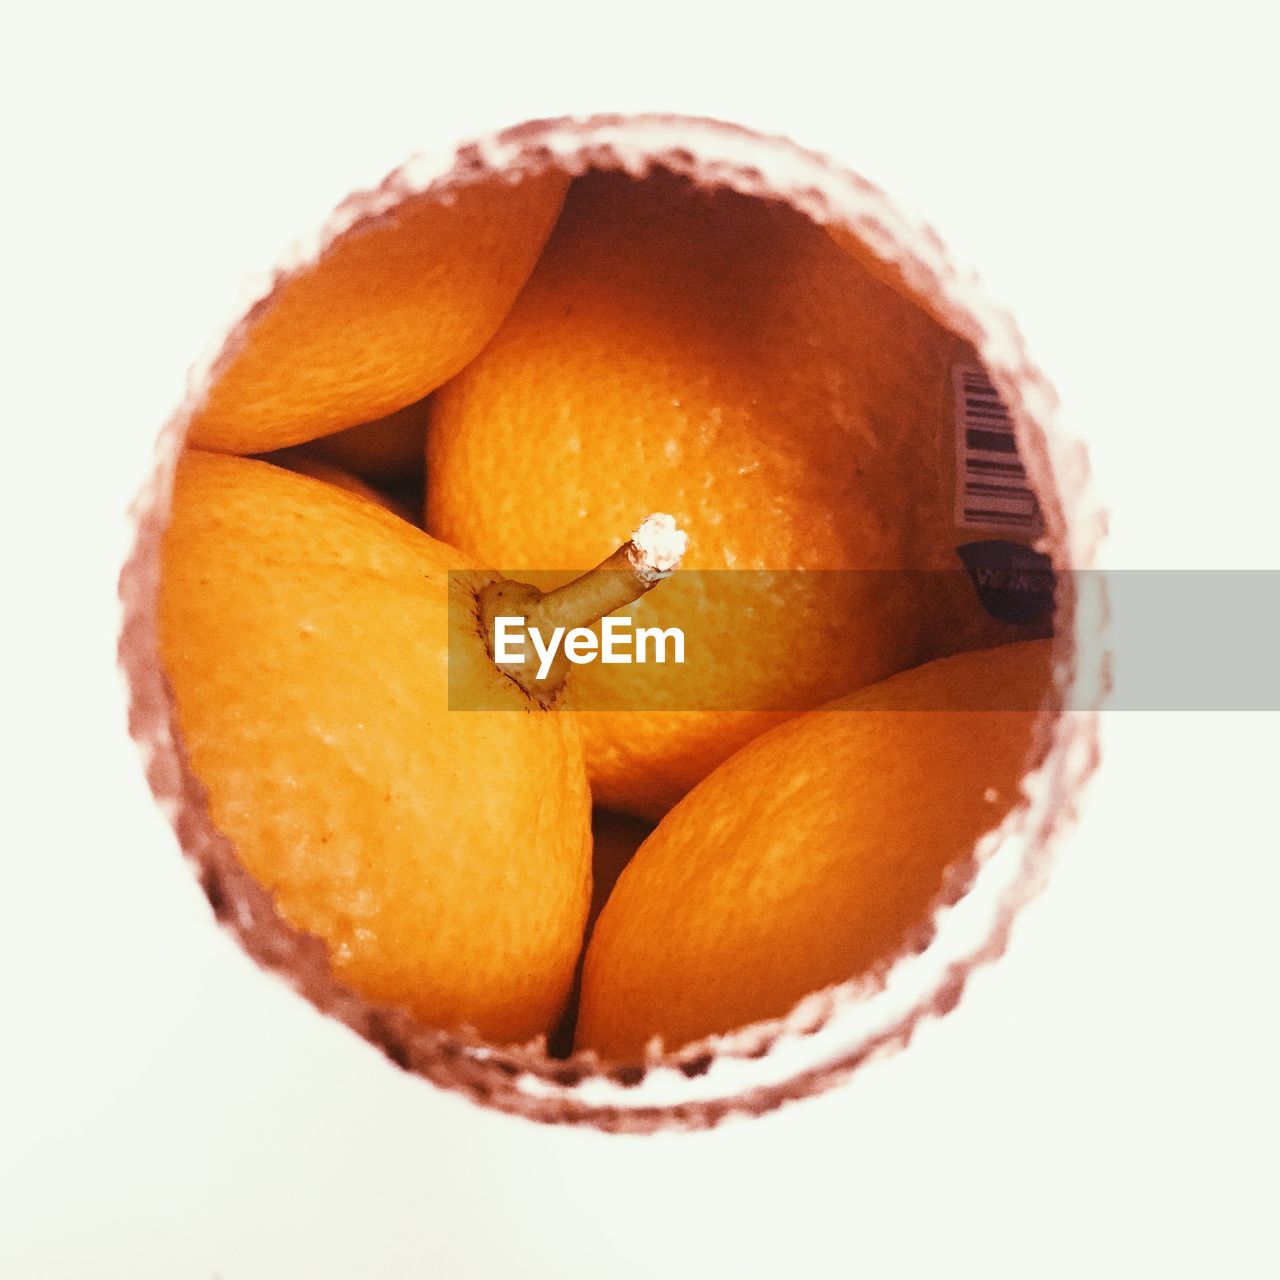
(991, 484)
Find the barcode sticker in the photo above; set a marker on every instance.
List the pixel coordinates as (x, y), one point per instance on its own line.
(991, 483)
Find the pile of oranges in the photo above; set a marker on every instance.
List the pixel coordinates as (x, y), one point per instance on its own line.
(507, 379)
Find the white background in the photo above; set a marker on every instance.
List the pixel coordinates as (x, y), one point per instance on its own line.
(1103, 1101)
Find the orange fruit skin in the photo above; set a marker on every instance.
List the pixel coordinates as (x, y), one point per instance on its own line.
(443, 857)
(304, 465)
(615, 838)
(390, 311)
(722, 359)
(809, 856)
(957, 622)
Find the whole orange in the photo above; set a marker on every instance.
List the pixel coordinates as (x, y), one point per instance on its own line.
(392, 309)
(718, 357)
(443, 857)
(810, 855)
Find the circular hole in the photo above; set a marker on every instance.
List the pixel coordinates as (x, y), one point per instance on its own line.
(274, 401)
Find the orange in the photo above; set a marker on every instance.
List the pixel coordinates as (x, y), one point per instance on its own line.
(722, 359)
(615, 837)
(393, 308)
(443, 857)
(811, 855)
(304, 464)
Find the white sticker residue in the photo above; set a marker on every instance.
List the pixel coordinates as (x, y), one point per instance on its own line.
(991, 483)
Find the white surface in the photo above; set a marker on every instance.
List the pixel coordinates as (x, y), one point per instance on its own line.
(1102, 1103)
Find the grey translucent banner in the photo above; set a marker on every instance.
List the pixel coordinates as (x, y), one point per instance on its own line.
(787, 641)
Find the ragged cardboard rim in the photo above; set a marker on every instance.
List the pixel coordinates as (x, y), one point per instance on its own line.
(829, 1033)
